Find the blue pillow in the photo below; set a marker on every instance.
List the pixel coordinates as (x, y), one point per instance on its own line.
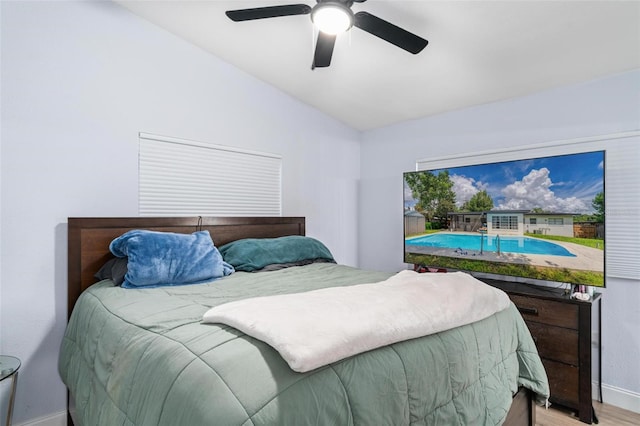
(165, 258)
(254, 254)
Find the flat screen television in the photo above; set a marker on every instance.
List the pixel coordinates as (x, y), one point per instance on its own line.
(536, 220)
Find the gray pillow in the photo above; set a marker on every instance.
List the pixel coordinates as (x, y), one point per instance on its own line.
(114, 269)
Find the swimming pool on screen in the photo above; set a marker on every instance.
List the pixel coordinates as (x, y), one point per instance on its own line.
(490, 243)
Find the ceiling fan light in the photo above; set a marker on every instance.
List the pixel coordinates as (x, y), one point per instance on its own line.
(332, 18)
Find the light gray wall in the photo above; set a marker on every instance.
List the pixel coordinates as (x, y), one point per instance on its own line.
(79, 81)
(605, 106)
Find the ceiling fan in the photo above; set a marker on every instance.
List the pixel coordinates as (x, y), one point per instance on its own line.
(332, 17)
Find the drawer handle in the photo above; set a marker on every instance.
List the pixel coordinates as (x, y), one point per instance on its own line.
(528, 311)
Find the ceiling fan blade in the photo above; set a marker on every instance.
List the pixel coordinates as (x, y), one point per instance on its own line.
(389, 32)
(324, 50)
(268, 12)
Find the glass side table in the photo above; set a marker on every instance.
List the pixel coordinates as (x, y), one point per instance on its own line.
(9, 366)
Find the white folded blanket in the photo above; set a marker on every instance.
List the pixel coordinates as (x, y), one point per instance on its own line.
(319, 327)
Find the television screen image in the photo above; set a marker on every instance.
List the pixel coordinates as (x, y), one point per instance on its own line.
(538, 219)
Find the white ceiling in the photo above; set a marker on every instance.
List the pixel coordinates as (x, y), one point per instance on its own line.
(478, 52)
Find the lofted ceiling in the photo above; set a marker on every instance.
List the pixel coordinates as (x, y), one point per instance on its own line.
(478, 52)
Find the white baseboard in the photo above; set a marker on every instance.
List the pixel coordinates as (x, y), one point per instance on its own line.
(56, 419)
(619, 397)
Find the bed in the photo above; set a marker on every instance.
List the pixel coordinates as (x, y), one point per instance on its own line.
(145, 357)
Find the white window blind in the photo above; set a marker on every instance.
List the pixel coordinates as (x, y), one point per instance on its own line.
(622, 188)
(179, 177)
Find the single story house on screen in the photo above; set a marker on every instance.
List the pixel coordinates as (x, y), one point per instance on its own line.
(512, 222)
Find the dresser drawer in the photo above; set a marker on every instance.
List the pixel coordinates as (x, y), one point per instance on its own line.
(564, 383)
(561, 329)
(547, 311)
(555, 343)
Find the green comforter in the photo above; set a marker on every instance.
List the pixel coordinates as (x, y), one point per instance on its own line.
(143, 357)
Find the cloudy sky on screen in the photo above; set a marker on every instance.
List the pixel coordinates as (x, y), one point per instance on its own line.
(559, 184)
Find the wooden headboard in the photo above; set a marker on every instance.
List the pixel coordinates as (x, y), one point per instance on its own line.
(89, 238)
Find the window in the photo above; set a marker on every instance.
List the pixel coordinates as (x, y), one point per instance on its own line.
(555, 221)
(467, 220)
(178, 177)
(533, 221)
(504, 222)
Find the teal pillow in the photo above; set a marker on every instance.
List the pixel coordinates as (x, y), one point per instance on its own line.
(254, 254)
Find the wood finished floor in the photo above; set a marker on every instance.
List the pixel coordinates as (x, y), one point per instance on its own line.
(608, 415)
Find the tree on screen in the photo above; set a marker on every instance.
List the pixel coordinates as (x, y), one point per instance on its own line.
(434, 194)
(598, 205)
(480, 202)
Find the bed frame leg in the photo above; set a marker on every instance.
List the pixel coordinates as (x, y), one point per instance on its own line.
(531, 403)
(523, 409)
(69, 417)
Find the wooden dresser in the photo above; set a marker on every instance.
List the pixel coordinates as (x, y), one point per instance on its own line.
(561, 329)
